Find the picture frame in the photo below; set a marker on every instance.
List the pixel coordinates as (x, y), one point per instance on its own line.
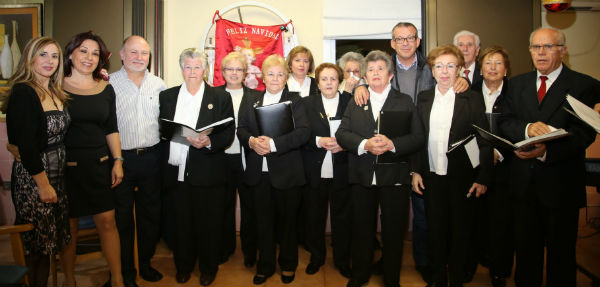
(26, 22)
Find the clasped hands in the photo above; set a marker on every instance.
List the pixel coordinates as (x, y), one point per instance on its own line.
(330, 144)
(379, 144)
(201, 141)
(261, 145)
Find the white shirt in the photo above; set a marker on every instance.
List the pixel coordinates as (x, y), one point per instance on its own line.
(471, 69)
(294, 86)
(236, 99)
(377, 100)
(330, 106)
(440, 121)
(489, 97)
(270, 99)
(137, 109)
(187, 111)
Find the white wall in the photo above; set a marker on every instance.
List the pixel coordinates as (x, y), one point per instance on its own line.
(186, 20)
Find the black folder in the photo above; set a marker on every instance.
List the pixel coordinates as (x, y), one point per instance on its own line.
(178, 132)
(524, 145)
(275, 120)
(393, 124)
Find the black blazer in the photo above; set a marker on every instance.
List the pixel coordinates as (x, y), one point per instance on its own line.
(477, 77)
(358, 124)
(245, 95)
(560, 180)
(204, 167)
(319, 127)
(285, 165)
(469, 109)
(501, 169)
(26, 126)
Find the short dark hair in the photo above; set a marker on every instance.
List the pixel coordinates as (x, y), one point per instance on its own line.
(324, 66)
(75, 42)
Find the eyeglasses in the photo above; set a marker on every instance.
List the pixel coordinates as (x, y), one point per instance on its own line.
(538, 48)
(449, 66)
(275, 76)
(409, 39)
(236, 70)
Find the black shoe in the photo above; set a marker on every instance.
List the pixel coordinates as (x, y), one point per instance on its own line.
(498, 281)
(182, 277)
(425, 272)
(129, 283)
(344, 270)
(469, 276)
(377, 268)
(207, 278)
(312, 268)
(287, 279)
(437, 285)
(150, 274)
(107, 284)
(260, 279)
(355, 283)
(249, 261)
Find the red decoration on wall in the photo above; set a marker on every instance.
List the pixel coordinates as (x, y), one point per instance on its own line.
(556, 5)
(256, 42)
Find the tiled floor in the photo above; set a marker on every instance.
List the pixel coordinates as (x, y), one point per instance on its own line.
(91, 269)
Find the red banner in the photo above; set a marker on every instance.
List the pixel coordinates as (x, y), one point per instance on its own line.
(256, 42)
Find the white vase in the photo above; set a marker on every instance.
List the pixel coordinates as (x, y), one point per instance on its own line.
(6, 59)
(14, 47)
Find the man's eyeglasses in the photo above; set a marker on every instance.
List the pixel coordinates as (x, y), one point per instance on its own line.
(409, 39)
(538, 48)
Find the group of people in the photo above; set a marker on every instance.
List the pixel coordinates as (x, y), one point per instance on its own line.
(83, 144)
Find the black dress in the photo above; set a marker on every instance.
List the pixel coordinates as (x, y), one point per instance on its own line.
(89, 165)
(51, 232)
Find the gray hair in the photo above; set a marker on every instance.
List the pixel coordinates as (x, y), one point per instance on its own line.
(562, 39)
(377, 55)
(466, 33)
(353, 57)
(193, 53)
(406, 25)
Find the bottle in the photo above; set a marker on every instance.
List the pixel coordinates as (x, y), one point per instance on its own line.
(14, 47)
(6, 59)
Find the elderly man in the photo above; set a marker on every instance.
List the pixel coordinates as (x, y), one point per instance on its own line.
(547, 181)
(412, 75)
(468, 43)
(137, 116)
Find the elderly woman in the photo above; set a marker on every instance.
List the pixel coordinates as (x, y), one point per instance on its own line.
(384, 185)
(326, 168)
(234, 67)
(195, 173)
(450, 182)
(495, 67)
(301, 63)
(36, 123)
(353, 65)
(274, 173)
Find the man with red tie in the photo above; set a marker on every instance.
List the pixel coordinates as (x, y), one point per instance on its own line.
(548, 180)
(469, 44)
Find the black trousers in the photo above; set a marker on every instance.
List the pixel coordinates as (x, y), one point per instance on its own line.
(394, 202)
(537, 227)
(141, 171)
(338, 195)
(501, 230)
(276, 207)
(449, 219)
(198, 214)
(235, 170)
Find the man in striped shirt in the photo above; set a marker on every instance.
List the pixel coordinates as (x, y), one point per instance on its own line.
(137, 115)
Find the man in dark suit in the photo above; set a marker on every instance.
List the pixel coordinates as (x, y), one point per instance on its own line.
(469, 44)
(548, 181)
(373, 185)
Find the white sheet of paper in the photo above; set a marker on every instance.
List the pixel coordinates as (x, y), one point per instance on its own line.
(473, 152)
(333, 127)
(585, 113)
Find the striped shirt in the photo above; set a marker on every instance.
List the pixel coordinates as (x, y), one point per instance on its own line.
(137, 109)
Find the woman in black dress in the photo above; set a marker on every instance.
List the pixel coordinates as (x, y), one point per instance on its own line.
(36, 123)
(91, 140)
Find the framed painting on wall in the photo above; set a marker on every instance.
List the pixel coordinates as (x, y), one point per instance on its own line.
(18, 24)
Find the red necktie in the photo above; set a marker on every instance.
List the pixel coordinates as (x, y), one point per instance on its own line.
(542, 89)
(467, 73)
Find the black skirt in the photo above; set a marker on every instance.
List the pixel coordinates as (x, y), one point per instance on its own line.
(88, 181)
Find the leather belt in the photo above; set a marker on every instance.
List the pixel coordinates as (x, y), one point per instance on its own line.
(141, 151)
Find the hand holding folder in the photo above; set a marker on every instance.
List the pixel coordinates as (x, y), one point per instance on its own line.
(392, 124)
(275, 120)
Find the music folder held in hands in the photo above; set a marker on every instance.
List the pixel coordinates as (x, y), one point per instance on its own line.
(275, 120)
(523, 145)
(178, 132)
(584, 113)
(393, 124)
